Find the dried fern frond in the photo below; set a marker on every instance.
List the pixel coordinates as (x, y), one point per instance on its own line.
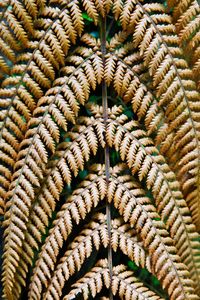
(14, 36)
(100, 149)
(141, 156)
(44, 133)
(92, 236)
(128, 287)
(124, 284)
(34, 74)
(186, 17)
(132, 87)
(155, 37)
(144, 104)
(91, 283)
(80, 249)
(125, 238)
(75, 209)
(135, 212)
(71, 159)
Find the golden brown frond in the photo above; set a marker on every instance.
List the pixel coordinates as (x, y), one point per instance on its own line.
(100, 149)
(155, 37)
(34, 73)
(11, 31)
(124, 284)
(143, 158)
(71, 158)
(136, 210)
(186, 17)
(93, 236)
(129, 287)
(17, 28)
(92, 283)
(133, 88)
(81, 248)
(144, 103)
(124, 237)
(75, 209)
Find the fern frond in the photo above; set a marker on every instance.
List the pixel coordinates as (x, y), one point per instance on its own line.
(81, 248)
(187, 20)
(172, 80)
(134, 88)
(122, 236)
(125, 238)
(17, 29)
(93, 232)
(186, 17)
(35, 72)
(42, 136)
(92, 283)
(64, 207)
(143, 158)
(144, 103)
(58, 175)
(76, 208)
(129, 287)
(124, 283)
(71, 157)
(136, 210)
(11, 31)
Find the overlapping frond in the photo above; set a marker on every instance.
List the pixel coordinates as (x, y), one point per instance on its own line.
(125, 238)
(80, 249)
(42, 136)
(186, 17)
(144, 159)
(21, 23)
(99, 149)
(34, 73)
(136, 209)
(124, 284)
(127, 194)
(155, 37)
(144, 103)
(129, 287)
(16, 30)
(92, 237)
(76, 208)
(92, 283)
(70, 158)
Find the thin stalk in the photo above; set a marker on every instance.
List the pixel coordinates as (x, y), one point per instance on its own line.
(107, 154)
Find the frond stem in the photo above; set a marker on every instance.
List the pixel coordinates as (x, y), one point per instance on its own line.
(102, 22)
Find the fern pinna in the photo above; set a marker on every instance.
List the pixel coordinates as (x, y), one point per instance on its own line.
(100, 149)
